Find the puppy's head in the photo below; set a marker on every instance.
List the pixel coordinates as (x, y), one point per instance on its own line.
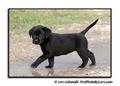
(39, 34)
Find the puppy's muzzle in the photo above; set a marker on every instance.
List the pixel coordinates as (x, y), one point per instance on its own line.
(36, 41)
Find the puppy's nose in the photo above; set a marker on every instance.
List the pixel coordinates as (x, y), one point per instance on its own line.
(36, 40)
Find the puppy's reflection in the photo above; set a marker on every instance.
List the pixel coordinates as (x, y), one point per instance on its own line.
(50, 72)
(36, 72)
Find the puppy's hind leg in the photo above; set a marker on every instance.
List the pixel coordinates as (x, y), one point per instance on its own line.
(92, 58)
(84, 57)
(51, 62)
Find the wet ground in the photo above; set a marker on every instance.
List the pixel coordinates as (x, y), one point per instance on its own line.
(23, 53)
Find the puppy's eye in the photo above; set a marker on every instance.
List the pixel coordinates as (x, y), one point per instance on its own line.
(37, 33)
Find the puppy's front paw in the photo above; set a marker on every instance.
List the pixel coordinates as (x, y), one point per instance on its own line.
(92, 64)
(48, 66)
(33, 65)
(81, 66)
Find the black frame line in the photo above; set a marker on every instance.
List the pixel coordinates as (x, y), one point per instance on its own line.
(8, 46)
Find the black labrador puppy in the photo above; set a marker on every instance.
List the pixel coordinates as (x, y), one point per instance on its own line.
(54, 44)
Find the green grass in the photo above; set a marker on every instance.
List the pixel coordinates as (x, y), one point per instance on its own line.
(20, 21)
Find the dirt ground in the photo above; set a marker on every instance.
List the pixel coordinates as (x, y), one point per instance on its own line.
(23, 53)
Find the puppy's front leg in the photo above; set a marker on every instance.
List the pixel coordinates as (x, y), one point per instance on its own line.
(51, 62)
(39, 60)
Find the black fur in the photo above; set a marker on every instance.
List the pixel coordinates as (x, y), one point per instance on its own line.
(53, 44)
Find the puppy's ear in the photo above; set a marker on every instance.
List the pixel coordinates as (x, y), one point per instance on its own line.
(47, 32)
(30, 32)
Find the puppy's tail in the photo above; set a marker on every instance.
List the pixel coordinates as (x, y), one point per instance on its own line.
(91, 25)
